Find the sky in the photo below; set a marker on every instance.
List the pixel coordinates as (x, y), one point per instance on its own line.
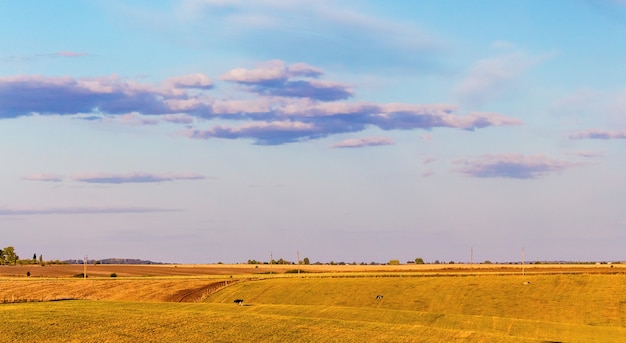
(204, 131)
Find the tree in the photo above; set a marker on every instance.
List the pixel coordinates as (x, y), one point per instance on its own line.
(34, 257)
(41, 259)
(419, 260)
(9, 255)
(394, 262)
(306, 261)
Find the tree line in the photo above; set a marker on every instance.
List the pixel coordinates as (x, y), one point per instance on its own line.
(9, 257)
(306, 261)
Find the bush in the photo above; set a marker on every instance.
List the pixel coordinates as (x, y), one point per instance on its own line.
(294, 271)
(81, 275)
(113, 275)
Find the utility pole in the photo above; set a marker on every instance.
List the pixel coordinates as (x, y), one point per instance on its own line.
(85, 268)
(271, 260)
(522, 261)
(297, 252)
(472, 258)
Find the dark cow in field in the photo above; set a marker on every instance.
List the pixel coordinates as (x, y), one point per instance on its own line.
(379, 297)
(238, 302)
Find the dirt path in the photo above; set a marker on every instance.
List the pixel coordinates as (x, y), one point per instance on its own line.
(199, 293)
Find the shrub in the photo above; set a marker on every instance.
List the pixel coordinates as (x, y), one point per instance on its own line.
(294, 271)
(113, 275)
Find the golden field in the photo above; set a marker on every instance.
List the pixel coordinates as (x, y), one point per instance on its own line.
(420, 303)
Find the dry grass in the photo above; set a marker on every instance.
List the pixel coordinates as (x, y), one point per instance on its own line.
(105, 270)
(148, 290)
(330, 304)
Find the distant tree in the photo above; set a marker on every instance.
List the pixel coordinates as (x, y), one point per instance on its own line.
(2, 257)
(419, 260)
(34, 257)
(10, 256)
(394, 262)
(41, 259)
(306, 261)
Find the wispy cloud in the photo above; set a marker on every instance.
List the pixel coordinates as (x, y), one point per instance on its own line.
(516, 166)
(134, 177)
(59, 54)
(17, 211)
(586, 153)
(71, 54)
(44, 177)
(327, 28)
(598, 134)
(363, 142)
(493, 77)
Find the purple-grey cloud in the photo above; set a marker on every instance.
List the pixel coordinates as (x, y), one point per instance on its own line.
(22, 95)
(273, 79)
(134, 178)
(8, 211)
(363, 142)
(598, 134)
(516, 166)
(299, 121)
(191, 81)
(264, 133)
(291, 105)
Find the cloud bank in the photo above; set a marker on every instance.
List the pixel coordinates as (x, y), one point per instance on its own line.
(281, 103)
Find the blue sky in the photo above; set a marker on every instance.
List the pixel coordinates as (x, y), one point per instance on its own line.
(227, 130)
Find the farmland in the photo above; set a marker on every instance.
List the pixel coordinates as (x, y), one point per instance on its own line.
(327, 303)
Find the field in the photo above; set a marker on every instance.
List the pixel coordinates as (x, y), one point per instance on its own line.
(462, 303)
